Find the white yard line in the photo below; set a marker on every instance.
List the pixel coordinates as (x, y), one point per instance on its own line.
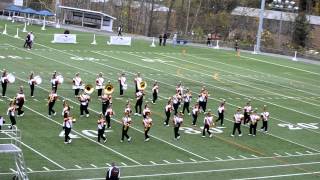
(299, 153)
(230, 157)
(213, 170)
(180, 161)
(93, 165)
(29, 169)
(77, 166)
(219, 158)
(243, 157)
(124, 164)
(239, 75)
(153, 163)
(166, 161)
(278, 155)
(280, 175)
(47, 169)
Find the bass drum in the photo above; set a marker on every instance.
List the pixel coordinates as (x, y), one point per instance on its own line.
(60, 79)
(11, 78)
(38, 80)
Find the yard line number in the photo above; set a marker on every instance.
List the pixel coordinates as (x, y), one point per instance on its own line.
(300, 126)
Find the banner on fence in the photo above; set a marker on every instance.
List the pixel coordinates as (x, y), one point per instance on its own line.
(119, 40)
(64, 38)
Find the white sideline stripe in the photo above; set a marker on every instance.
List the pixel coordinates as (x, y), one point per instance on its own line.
(243, 157)
(277, 154)
(210, 98)
(230, 157)
(218, 158)
(78, 166)
(12, 170)
(153, 163)
(298, 69)
(47, 169)
(288, 154)
(37, 152)
(212, 170)
(180, 161)
(124, 164)
(178, 147)
(280, 175)
(29, 169)
(192, 160)
(93, 165)
(166, 161)
(299, 153)
(116, 152)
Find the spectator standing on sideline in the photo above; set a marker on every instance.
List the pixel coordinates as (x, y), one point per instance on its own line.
(120, 29)
(174, 39)
(165, 37)
(160, 39)
(113, 172)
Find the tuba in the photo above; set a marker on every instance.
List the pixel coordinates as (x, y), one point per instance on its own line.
(88, 89)
(108, 89)
(142, 85)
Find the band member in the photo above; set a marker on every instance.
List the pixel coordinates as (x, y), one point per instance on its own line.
(32, 83)
(20, 99)
(122, 83)
(254, 118)
(195, 112)
(54, 82)
(113, 173)
(2, 121)
(77, 84)
(237, 117)
(139, 97)
(67, 126)
(108, 114)
(126, 122)
(265, 118)
(106, 100)
(11, 113)
(186, 101)
(179, 89)
(27, 41)
(236, 48)
(128, 108)
(203, 98)
(147, 123)
(221, 112)
(146, 110)
(208, 122)
(168, 110)
(137, 80)
(99, 84)
(177, 121)
(84, 103)
(101, 128)
(155, 91)
(4, 82)
(66, 109)
(176, 99)
(246, 113)
(51, 101)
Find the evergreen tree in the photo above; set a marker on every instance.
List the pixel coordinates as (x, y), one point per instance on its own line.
(301, 30)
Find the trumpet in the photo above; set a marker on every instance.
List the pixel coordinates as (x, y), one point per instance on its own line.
(88, 89)
(142, 85)
(108, 89)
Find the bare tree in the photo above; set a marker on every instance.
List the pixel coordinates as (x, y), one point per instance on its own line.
(172, 2)
(151, 18)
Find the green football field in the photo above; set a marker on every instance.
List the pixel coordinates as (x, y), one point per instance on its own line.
(291, 91)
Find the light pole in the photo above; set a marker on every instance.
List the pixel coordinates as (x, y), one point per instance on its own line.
(282, 5)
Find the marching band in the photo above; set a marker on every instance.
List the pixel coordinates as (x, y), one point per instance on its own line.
(182, 94)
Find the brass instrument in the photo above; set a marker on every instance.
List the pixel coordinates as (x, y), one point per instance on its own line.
(142, 85)
(108, 89)
(88, 89)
